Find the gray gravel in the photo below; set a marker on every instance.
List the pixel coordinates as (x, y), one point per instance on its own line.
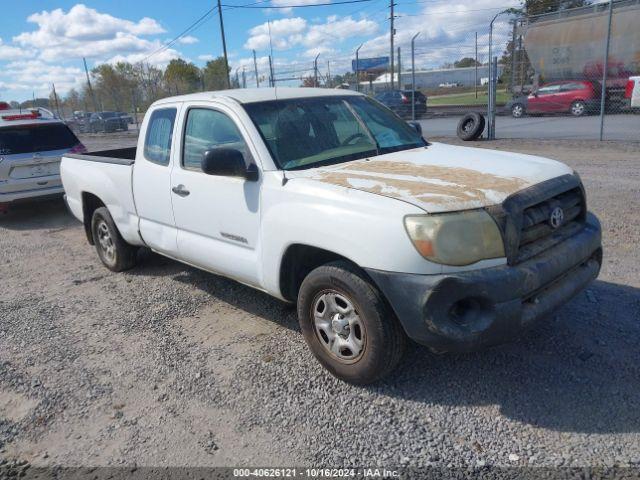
(166, 365)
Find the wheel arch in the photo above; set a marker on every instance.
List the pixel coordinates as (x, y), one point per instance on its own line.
(90, 203)
(298, 261)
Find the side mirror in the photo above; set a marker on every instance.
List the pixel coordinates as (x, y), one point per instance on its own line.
(416, 126)
(228, 162)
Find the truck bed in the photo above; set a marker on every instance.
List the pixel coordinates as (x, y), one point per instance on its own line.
(118, 156)
(105, 177)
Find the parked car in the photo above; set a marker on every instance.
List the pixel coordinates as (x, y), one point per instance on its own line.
(632, 93)
(399, 101)
(575, 97)
(32, 142)
(107, 122)
(126, 117)
(325, 198)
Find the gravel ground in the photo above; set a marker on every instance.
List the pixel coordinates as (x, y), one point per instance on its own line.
(168, 366)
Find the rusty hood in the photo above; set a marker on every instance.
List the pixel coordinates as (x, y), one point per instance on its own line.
(441, 177)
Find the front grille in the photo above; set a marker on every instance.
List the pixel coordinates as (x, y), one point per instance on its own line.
(535, 219)
(524, 218)
(537, 234)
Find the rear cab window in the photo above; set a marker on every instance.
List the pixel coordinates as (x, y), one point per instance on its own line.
(157, 143)
(36, 138)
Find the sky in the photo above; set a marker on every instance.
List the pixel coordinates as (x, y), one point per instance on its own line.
(43, 42)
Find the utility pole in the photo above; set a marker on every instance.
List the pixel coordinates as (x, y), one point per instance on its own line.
(399, 71)
(413, 76)
(476, 77)
(513, 56)
(55, 98)
(224, 46)
(605, 68)
(93, 97)
(272, 80)
(237, 78)
(328, 82)
(255, 68)
(358, 68)
(315, 71)
(392, 32)
(244, 77)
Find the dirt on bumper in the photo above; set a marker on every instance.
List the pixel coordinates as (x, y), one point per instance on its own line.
(470, 310)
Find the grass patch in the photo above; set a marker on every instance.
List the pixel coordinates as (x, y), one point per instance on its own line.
(469, 98)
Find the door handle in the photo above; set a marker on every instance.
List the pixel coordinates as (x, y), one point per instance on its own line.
(180, 190)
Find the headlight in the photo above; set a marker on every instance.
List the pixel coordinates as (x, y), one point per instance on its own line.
(457, 239)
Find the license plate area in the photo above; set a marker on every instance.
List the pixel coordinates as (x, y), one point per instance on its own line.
(35, 170)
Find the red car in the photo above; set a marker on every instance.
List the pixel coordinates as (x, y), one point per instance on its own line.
(576, 97)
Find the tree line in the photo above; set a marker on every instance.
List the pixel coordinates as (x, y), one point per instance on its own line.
(129, 87)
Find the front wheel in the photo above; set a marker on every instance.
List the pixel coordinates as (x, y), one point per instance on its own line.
(517, 110)
(116, 254)
(578, 108)
(348, 325)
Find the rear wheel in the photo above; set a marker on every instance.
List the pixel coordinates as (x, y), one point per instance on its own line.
(348, 325)
(578, 108)
(116, 254)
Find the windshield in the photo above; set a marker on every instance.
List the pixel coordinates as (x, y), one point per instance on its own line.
(308, 132)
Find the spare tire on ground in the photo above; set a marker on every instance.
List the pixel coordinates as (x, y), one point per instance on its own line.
(471, 126)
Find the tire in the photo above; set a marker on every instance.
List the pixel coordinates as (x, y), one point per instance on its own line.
(517, 110)
(340, 296)
(116, 254)
(471, 126)
(578, 108)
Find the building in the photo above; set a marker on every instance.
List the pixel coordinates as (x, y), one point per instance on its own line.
(464, 77)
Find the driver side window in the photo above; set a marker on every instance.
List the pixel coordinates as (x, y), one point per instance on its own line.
(207, 129)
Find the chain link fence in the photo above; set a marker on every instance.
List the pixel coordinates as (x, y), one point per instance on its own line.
(551, 79)
(571, 74)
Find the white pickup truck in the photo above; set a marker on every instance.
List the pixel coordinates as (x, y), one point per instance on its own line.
(327, 199)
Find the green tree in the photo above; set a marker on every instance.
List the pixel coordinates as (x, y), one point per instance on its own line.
(113, 85)
(215, 74)
(536, 7)
(466, 62)
(182, 77)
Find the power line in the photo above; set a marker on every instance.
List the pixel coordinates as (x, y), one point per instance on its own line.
(324, 4)
(189, 29)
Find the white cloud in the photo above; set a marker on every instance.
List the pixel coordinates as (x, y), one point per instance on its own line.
(447, 32)
(85, 32)
(284, 34)
(188, 40)
(337, 30)
(206, 57)
(9, 52)
(290, 32)
(38, 76)
(282, 3)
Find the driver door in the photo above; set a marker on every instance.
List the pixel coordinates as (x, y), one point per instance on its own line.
(217, 217)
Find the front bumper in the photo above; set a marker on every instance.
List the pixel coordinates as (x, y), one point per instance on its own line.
(473, 309)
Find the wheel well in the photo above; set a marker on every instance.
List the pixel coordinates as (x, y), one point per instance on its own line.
(90, 203)
(298, 261)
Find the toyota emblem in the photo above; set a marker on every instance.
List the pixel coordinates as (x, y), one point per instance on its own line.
(556, 218)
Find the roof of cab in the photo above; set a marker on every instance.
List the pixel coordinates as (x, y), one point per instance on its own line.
(251, 95)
